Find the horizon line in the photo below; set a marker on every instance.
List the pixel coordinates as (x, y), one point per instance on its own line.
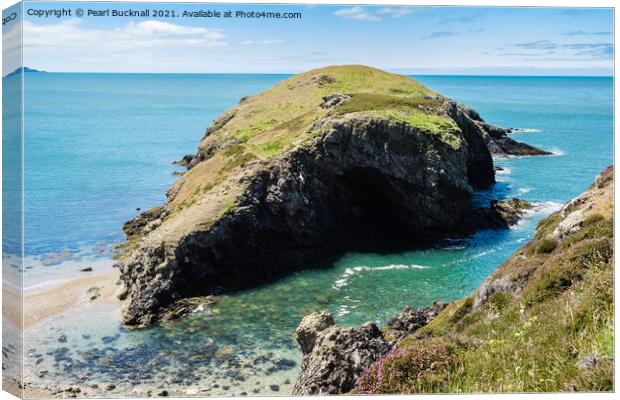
(296, 73)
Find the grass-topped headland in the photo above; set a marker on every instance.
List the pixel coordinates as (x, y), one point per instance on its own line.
(296, 173)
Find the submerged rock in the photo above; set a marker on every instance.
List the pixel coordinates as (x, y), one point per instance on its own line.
(334, 357)
(91, 294)
(185, 306)
(328, 161)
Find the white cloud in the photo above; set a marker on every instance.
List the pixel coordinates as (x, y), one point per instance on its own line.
(150, 46)
(396, 12)
(273, 41)
(146, 34)
(265, 41)
(356, 13)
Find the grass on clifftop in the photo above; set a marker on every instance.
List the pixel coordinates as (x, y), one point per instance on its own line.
(555, 333)
(283, 114)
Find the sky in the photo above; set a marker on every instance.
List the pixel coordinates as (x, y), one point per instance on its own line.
(412, 40)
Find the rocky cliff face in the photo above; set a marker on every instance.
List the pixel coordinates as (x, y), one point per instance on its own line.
(542, 322)
(324, 162)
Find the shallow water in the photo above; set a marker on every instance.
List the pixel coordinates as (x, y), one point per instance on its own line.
(106, 148)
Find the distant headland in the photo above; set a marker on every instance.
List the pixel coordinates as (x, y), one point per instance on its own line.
(19, 70)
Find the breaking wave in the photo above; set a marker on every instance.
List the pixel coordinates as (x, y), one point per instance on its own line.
(349, 272)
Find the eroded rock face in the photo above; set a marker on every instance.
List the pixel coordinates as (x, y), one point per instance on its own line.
(334, 357)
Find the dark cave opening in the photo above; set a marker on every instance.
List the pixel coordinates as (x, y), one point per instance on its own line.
(373, 212)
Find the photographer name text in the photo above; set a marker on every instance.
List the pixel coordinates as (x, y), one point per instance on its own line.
(159, 13)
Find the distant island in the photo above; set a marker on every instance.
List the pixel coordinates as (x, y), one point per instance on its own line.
(19, 70)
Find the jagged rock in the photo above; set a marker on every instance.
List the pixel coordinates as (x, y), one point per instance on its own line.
(310, 327)
(334, 99)
(498, 141)
(185, 161)
(411, 319)
(570, 224)
(501, 214)
(334, 357)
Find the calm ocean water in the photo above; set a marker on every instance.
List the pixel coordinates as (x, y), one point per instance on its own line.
(99, 146)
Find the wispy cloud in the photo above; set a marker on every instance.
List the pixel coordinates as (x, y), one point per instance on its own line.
(594, 50)
(145, 46)
(357, 13)
(440, 34)
(517, 54)
(572, 12)
(465, 19)
(584, 33)
(564, 51)
(264, 41)
(396, 12)
(538, 44)
(143, 35)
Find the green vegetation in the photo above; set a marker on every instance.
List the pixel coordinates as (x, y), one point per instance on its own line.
(270, 122)
(378, 101)
(248, 132)
(551, 329)
(268, 149)
(546, 246)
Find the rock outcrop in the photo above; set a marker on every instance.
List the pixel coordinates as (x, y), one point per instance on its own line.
(496, 138)
(327, 161)
(411, 319)
(334, 357)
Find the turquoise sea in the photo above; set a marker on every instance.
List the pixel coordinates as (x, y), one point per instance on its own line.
(100, 146)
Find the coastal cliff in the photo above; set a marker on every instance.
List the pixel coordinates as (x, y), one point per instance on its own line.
(542, 322)
(332, 160)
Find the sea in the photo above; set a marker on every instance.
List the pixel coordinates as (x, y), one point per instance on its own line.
(99, 148)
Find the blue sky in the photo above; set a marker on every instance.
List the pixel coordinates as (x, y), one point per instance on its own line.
(418, 40)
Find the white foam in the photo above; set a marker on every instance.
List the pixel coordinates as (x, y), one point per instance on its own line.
(525, 130)
(524, 190)
(343, 311)
(545, 208)
(504, 171)
(556, 152)
(349, 272)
